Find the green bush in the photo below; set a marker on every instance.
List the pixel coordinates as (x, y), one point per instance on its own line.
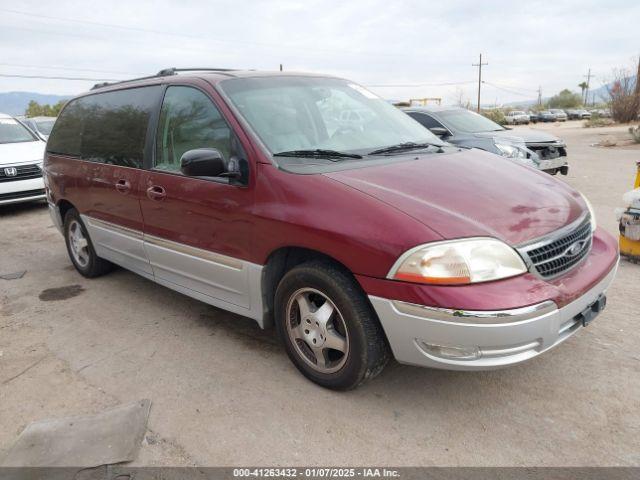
(597, 121)
(496, 115)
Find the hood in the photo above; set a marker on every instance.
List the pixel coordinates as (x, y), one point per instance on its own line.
(471, 193)
(21, 152)
(520, 135)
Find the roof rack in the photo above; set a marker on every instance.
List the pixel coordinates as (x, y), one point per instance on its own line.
(165, 72)
(173, 70)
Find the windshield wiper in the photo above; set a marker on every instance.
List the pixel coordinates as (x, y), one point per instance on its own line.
(332, 155)
(401, 147)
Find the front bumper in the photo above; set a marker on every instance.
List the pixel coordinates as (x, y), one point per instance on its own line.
(554, 165)
(22, 191)
(481, 340)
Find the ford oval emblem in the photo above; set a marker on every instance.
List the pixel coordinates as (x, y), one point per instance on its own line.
(575, 248)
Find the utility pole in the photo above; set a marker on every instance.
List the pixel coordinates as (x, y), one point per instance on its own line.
(539, 95)
(637, 92)
(586, 94)
(479, 65)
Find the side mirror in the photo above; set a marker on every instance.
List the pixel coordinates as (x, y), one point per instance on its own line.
(439, 131)
(202, 162)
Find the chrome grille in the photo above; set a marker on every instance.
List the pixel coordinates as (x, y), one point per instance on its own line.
(560, 251)
(23, 172)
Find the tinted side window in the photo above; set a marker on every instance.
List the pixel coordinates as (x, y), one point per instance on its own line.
(425, 120)
(189, 120)
(67, 132)
(116, 124)
(108, 127)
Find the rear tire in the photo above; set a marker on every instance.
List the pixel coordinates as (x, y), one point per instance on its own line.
(80, 249)
(329, 329)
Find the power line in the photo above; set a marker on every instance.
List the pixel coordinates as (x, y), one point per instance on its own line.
(234, 42)
(513, 92)
(522, 89)
(54, 67)
(43, 77)
(89, 22)
(445, 84)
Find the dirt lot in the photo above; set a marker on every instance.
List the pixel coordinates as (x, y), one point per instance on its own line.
(224, 393)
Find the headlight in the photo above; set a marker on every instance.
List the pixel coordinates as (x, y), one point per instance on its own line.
(458, 262)
(511, 151)
(591, 213)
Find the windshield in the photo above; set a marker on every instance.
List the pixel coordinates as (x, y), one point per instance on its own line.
(45, 126)
(468, 121)
(12, 131)
(291, 113)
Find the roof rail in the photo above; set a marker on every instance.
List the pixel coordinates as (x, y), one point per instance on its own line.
(173, 70)
(108, 84)
(165, 72)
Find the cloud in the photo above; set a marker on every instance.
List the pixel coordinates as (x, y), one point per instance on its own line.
(527, 44)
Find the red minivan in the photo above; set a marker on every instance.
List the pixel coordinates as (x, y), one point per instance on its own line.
(309, 203)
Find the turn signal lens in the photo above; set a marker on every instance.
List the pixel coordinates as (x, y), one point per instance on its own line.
(458, 262)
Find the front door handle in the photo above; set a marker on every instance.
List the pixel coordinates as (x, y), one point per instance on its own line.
(123, 186)
(156, 192)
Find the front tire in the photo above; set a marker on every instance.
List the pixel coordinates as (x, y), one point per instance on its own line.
(80, 249)
(328, 327)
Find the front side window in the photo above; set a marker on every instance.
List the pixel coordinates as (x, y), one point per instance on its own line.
(44, 126)
(291, 113)
(12, 131)
(189, 120)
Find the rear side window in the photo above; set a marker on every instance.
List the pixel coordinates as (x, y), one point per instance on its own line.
(108, 127)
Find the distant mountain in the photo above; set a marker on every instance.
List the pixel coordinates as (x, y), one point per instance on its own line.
(15, 103)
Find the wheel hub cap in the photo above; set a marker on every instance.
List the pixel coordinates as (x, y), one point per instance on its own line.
(317, 330)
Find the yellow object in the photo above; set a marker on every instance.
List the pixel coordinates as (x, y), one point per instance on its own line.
(631, 248)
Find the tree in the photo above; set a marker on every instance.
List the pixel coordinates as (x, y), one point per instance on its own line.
(624, 95)
(583, 88)
(36, 110)
(565, 99)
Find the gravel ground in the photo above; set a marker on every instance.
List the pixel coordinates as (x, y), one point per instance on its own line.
(224, 392)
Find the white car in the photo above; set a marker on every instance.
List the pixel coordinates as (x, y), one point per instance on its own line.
(516, 117)
(559, 114)
(41, 125)
(21, 155)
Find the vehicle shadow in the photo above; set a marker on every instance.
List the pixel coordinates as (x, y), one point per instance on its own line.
(15, 209)
(395, 382)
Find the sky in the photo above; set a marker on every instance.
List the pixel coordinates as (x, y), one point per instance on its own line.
(399, 49)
